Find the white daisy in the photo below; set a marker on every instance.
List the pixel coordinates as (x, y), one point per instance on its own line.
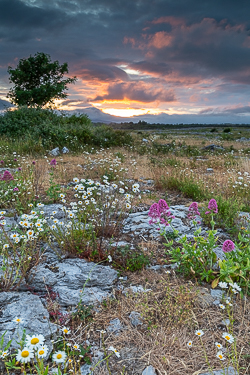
(24, 355)
(220, 356)
(59, 357)
(42, 351)
(34, 341)
(190, 344)
(199, 332)
(228, 337)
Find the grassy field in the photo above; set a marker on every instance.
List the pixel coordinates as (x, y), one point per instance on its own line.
(186, 165)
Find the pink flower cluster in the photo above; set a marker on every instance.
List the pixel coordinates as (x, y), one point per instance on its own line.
(212, 206)
(7, 176)
(228, 246)
(193, 211)
(53, 162)
(160, 213)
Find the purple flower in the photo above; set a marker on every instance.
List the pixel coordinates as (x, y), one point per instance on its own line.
(53, 162)
(19, 168)
(7, 176)
(162, 206)
(212, 206)
(33, 162)
(153, 213)
(193, 210)
(228, 246)
(2, 162)
(15, 159)
(16, 189)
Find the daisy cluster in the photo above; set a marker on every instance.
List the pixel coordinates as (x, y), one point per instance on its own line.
(227, 336)
(31, 225)
(35, 351)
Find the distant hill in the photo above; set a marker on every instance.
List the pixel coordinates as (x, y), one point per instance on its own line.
(5, 104)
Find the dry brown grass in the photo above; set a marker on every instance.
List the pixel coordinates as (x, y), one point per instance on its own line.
(172, 311)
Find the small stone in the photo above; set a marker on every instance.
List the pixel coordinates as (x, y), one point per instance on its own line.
(65, 150)
(55, 152)
(144, 140)
(210, 170)
(115, 326)
(149, 370)
(135, 318)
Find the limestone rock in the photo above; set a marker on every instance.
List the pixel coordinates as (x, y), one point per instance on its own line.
(30, 309)
(55, 151)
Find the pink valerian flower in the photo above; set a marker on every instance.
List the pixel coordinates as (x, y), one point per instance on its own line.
(228, 246)
(154, 213)
(160, 213)
(212, 206)
(7, 176)
(16, 189)
(193, 211)
(53, 162)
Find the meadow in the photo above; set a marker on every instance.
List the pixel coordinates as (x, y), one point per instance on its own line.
(105, 176)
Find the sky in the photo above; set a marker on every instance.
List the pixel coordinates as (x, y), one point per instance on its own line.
(172, 61)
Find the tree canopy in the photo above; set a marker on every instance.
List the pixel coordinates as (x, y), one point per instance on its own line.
(38, 81)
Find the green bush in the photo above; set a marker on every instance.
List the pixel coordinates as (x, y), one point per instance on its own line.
(42, 128)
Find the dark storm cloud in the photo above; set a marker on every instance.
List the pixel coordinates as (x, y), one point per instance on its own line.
(136, 91)
(100, 71)
(18, 20)
(170, 43)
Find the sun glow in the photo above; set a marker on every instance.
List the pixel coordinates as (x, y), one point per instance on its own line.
(125, 112)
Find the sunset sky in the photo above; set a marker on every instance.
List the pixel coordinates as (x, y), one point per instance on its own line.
(176, 60)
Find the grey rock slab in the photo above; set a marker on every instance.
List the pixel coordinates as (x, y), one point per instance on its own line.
(29, 308)
(135, 318)
(71, 276)
(55, 151)
(88, 296)
(72, 273)
(149, 370)
(204, 297)
(50, 208)
(227, 371)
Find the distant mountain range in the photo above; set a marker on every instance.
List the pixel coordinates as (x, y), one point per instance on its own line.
(96, 115)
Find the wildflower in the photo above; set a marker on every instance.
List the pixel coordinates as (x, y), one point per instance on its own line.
(193, 210)
(219, 346)
(76, 347)
(34, 341)
(24, 355)
(7, 176)
(6, 245)
(222, 306)
(42, 351)
(75, 179)
(110, 258)
(228, 246)
(66, 331)
(228, 337)
(199, 333)
(61, 195)
(59, 357)
(33, 162)
(4, 354)
(128, 205)
(114, 351)
(223, 285)
(212, 206)
(14, 235)
(220, 356)
(190, 344)
(153, 213)
(16, 189)
(53, 162)
(235, 286)
(17, 320)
